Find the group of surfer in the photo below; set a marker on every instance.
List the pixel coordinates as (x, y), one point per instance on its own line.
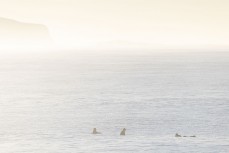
(123, 132)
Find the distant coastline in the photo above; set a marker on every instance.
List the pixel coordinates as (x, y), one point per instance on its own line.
(12, 31)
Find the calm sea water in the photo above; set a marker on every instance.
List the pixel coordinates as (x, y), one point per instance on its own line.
(50, 103)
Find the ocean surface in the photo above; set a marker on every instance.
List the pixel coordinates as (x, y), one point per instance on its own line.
(50, 103)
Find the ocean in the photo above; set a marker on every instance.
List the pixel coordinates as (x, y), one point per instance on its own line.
(50, 103)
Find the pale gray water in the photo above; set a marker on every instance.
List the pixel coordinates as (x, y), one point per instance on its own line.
(50, 104)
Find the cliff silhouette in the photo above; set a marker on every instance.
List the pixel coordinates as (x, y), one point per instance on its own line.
(15, 31)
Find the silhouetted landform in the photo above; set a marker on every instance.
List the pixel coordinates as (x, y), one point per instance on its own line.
(15, 31)
(95, 131)
(119, 44)
(123, 132)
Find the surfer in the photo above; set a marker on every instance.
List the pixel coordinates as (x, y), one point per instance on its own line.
(123, 132)
(95, 131)
(177, 135)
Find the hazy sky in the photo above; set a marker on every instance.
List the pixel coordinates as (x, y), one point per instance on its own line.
(152, 23)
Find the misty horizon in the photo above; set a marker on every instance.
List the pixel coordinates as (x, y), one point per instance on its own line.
(130, 24)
